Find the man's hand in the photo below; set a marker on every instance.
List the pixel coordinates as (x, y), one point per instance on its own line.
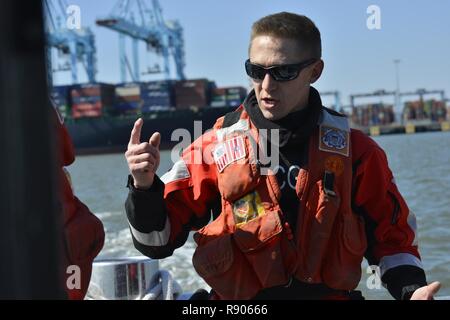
(426, 292)
(143, 158)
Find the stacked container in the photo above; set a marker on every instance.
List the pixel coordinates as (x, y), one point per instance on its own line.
(228, 97)
(414, 110)
(91, 100)
(193, 93)
(157, 95)
(127, 99)
(219, 98)
(438, 111)
(373, 115)
(235, 96)
(61, 98)
(433, 110)
(448, 110)
(361, 116)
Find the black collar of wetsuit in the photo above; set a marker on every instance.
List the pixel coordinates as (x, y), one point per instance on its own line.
(296, 126)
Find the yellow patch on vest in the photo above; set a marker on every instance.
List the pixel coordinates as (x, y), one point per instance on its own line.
(247, 208)
(334, 140)
(334, 164)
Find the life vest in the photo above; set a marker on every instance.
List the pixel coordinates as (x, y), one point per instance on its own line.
(83, 235)
(249, 246)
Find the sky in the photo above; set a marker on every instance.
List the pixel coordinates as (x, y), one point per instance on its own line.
(357, 59)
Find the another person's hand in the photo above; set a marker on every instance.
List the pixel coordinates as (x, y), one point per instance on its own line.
(426, 292)
(143, 158)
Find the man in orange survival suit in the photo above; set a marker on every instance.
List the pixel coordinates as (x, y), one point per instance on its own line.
(83, 236)
(300, 231)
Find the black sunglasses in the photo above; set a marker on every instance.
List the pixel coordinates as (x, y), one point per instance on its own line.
(283, 72)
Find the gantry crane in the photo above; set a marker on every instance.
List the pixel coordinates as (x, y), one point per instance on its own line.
(422, 92)
(337, 99)
(75, 44)
(141, 22)
(378, 93)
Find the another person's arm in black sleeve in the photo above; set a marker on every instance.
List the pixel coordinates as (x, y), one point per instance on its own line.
(146, 213)
(145, 208)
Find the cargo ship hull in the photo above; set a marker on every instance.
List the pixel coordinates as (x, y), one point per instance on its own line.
(111, 134)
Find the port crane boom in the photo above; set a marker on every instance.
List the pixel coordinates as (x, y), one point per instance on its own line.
(422, 92)
(378, 93)
(74, 44)
(142, 22)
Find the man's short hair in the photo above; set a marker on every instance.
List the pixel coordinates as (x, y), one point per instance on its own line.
(290, 26)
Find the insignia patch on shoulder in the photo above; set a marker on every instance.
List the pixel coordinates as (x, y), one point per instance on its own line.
(334, 140)
(229, 151)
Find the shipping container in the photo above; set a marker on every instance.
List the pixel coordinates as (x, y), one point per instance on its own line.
(81, 100)
(163, 85)
(374, 114)
(239, 92)
(218, 102)
(127, 105)
(235, 96)
(91, 100)
(433, 110)
(130, 98)
(157, 95)
(154, 108)
(60, 95)
(228, 97)
(438, 111)
(127, 98)
(193, 93)
(163, 104)
(128, 89)
(218, 97)
(87, 110)
(106, 91)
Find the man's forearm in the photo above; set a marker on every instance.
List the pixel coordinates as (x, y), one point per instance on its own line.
(145, 209)
(403, 280)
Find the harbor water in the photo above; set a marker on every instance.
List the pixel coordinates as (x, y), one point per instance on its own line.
(421, 166)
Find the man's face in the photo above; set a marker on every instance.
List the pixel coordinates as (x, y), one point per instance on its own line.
(278, 99)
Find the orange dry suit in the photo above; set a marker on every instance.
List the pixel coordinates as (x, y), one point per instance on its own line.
(349, 207)
(83, 234)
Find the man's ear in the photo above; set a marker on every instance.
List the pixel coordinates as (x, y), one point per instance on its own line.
(317, 71)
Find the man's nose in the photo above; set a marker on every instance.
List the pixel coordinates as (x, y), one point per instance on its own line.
(268, 82)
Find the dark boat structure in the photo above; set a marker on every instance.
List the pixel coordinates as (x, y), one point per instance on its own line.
(111, 134)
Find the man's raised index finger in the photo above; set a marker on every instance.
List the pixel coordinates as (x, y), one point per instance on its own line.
(135, 137)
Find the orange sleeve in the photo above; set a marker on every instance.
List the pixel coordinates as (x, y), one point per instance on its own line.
(161, 217)
(188, 199)
(390, 225)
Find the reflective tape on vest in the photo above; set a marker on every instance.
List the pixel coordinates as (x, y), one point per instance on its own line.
(179, 171)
